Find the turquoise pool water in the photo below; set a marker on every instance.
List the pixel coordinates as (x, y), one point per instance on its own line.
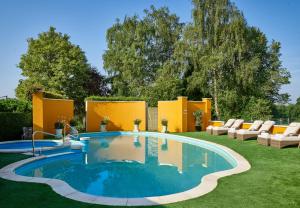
(131, 166)
(27, 144)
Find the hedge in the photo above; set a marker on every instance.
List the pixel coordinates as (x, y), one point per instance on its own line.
(15, 105)
(117, 98)
(53, 95)
(11, 125)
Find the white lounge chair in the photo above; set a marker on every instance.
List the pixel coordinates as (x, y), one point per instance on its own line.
(228, 124)
(246, 134)
(224, 130)
(287, 138)
(254, 127)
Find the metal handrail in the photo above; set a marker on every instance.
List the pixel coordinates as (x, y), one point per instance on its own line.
(71, 127)
(33, 134)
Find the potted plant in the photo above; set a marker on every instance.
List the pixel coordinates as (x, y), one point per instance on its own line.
(136, 123)
(164, 123)
(73, 126)
(58, 128)
(104, 123)
(198, 119)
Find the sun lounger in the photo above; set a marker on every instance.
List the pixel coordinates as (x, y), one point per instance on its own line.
(228, 124)
(246, 134)
(288, 138)
(254, 127)
(224, 130)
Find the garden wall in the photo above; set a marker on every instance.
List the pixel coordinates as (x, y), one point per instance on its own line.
(47, 111)
(120, 113)
(179, 114)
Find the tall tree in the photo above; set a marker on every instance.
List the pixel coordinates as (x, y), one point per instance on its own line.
(222, 57)
(53, 63)
(139, 48)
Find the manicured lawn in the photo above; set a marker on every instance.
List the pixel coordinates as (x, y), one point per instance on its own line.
(273, 181)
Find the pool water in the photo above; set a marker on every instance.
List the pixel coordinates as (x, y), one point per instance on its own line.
(130, 166)
(27, 144)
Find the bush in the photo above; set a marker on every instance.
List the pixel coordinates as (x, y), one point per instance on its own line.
(164, 122)
(59, 125)
(11, 125)
(15, 105)
(137, 121)
(119, 98)
(105, 121)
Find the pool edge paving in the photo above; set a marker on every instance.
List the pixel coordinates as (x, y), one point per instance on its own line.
(208, 183)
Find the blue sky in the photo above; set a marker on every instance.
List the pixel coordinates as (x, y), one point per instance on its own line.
(87, 21)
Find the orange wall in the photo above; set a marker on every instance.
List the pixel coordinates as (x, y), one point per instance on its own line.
(55, 110)
(121, 114)
(47, 111)
(170, 110)
(179, 114)
(216, 123)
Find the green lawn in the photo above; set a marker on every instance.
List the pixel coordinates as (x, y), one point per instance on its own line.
(273, 181)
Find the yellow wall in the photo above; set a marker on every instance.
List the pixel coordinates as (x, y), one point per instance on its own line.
(216, 123)
(47, 111)
(121, 114)
(179, 114)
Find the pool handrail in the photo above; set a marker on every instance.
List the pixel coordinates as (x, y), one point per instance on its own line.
(71, 127)
(32, 140)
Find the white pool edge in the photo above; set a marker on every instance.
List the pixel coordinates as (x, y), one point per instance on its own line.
(208, 182)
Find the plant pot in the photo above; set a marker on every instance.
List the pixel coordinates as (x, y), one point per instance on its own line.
(58, 133)
(102, 128)
(198, 128)
(136, 128)
(164, 129)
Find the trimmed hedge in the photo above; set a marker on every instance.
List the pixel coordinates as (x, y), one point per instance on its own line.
(53, 95)
(11, 125)
(118, 98)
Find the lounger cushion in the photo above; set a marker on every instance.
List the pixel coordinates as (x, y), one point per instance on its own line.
(256, 125)
(229, 123)
(237, 123)
(266, 126)
(209, 127)
(280, 137)
(292, 129)
(244, 131)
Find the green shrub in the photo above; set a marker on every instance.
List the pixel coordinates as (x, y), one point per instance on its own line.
(53, 95)
(59, 125)
(164, 122)
(119, 98)
(15, 105)
(11, 124)
(137, 121)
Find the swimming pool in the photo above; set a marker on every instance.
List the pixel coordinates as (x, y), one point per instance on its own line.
(26, 145)
(123, 168)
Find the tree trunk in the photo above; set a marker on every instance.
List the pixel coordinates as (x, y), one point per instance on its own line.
(215, 93)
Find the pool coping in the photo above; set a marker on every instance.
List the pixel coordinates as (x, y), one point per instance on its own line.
(208, 183)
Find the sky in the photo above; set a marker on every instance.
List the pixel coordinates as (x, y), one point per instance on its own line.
(86, 21)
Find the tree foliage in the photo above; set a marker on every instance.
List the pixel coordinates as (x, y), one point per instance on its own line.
(138, 50)
(54, 64)
(217, 55)
(224, 58)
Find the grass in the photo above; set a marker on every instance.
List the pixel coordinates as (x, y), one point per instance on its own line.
(273, 181)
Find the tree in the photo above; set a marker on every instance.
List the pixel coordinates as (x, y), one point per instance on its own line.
(220, 56)
(138, 49)
(53, 63)
(97, 83)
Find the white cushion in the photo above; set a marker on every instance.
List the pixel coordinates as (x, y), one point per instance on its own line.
(229, 123)
(255, 126)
